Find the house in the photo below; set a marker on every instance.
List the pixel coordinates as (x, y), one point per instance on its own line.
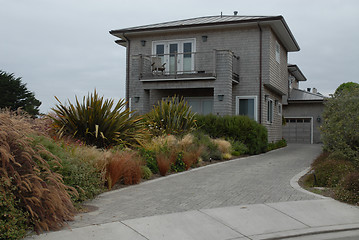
(302, 110)
(224, 65)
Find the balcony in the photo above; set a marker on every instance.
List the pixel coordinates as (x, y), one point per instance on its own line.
(184, 66)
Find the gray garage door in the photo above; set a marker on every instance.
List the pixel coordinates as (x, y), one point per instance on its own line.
(298, 130)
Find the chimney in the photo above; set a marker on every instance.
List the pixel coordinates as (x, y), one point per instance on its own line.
(308, 89)
(315, 90)
(235, 13)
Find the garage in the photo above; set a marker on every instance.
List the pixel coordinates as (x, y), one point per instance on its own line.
(298, 130)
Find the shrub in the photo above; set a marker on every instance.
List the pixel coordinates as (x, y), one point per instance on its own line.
(38, 190)
(276, 145)
(348, 190)
(179, 164)
(340, 124)
(80, 166)
(330, 172)
(146, 173)
(125, 166)
(149, 157)
(171, 116)
(164, 162)
(223, 145)
(237, 128)
(13, 220)
(238, 148)
(99, 122)
(209, 148)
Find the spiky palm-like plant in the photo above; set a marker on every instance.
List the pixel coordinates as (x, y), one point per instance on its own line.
(171, 116)
(99, 122)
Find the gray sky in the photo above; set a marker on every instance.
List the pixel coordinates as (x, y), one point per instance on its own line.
(62, 47)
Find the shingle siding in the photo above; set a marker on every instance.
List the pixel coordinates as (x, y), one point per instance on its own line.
(243, 42)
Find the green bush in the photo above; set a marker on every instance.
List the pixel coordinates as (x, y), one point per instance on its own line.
(146, 172)
(348, 191)
(341, 123)
(238, 148)
(211, 150)
(276, 145)
(178, 165)
(13, 221)
(330, 172)
(76, 172)
(237, 128)
(171, 116)
(150, 158)
(99, 122)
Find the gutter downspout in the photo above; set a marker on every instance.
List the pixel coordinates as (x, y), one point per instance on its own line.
(127, 95)
(260, 71)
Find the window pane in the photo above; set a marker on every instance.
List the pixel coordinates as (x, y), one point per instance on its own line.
(173, 57)
(160, 49)
(207, 106)
(246, 107)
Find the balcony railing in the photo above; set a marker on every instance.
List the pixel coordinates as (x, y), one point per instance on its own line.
(189, 65)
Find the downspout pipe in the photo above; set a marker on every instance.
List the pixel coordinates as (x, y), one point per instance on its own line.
(260, 70)
(127, 94)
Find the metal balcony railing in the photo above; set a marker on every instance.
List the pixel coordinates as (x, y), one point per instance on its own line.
(182, 66)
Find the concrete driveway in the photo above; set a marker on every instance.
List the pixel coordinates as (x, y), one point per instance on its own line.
(262, 178)
(255, 197)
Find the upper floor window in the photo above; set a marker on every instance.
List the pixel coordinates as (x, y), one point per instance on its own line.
(177, 54)
(277, 52)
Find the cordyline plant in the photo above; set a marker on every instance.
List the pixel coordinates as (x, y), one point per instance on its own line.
(171, 116)
(99, 122)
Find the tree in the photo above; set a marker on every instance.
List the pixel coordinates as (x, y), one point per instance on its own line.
(346, 87)
(340, 129)
(14, 94)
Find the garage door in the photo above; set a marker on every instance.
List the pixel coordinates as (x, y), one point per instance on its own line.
(298, 130)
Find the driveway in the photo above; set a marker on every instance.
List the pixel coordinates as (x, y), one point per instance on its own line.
(257, 179)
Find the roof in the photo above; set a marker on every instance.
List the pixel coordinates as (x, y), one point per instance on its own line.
(301, 95)
(296, 72)
(277, 23)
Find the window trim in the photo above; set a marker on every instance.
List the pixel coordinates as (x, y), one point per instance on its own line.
(277, 51)
(255, 98)
(280, 109)
(269, 117)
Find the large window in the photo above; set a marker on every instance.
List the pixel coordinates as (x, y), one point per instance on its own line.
(200, 105)
(177, 54)
(247, 106)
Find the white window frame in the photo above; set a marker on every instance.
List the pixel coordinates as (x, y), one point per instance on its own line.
(270, 113)
(277, 52)
(255, 98)
(180, 59)
(280, 109)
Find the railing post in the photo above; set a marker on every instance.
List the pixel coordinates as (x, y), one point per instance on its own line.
(176, 58)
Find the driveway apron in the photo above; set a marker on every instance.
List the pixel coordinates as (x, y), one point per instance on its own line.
(256, 179)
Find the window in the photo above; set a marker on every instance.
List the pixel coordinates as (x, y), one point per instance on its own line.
(177, 54)
(279, 109)
(247, 106)
(200, 105)
(277, 52)
(270, 111)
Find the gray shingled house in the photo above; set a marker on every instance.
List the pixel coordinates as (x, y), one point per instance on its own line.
(302, 110)
(224, 65)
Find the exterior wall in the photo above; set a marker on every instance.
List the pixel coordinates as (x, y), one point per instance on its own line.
(243, 42)
(274, 128)
(310, 109)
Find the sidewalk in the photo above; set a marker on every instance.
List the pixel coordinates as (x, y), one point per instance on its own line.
(257, 221)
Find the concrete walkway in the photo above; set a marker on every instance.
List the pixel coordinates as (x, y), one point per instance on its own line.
(247, 198)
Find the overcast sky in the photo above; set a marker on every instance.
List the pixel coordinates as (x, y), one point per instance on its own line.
(63, 47)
